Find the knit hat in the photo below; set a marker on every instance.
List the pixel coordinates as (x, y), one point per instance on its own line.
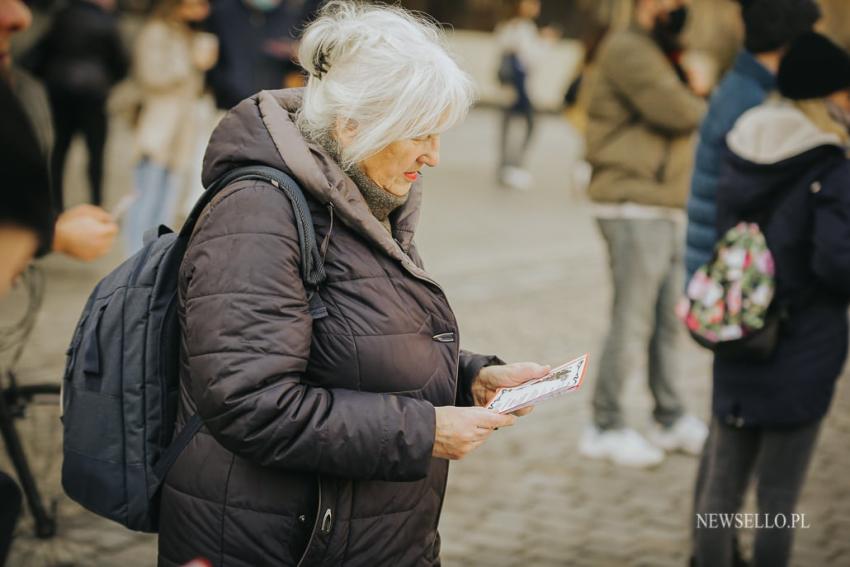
(814, 67)
(773, 24)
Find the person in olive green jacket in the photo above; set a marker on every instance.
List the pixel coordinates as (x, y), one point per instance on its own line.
(643, 113)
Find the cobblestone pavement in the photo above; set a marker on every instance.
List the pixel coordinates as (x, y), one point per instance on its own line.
(526, 274)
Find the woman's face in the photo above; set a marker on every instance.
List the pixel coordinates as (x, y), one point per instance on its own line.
(193, 10)
(529, 9)
(397, 166)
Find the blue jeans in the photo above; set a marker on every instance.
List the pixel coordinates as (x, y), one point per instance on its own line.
(155, 204)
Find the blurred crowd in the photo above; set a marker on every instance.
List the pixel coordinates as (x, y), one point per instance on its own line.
(674, 160)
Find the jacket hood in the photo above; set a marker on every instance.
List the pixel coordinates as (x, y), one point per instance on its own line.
(261, 130)
(776, 131)
(772, 147)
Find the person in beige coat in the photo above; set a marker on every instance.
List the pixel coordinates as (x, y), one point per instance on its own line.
(169, 64)
(643, 113)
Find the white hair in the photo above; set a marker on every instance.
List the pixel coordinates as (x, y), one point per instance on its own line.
(380, 71)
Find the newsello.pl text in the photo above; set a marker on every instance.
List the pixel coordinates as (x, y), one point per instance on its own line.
(752, 521)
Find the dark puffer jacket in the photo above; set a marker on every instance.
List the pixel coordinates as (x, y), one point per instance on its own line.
(318, 433)
(781, 161)
(746, 86)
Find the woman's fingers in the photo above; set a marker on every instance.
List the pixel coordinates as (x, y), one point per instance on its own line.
(523, 411)
(488, 419)
(525, 371)
(461, 430)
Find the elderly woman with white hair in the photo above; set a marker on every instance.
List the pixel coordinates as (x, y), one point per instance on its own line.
(327, 435)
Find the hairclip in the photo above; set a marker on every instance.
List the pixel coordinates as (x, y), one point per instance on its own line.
(320, 63)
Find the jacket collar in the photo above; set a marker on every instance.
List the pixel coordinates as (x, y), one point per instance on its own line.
(747, 65)
(325, 180)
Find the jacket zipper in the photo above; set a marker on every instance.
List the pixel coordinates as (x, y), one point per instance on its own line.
(320, 524)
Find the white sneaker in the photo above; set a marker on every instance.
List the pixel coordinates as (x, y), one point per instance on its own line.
(687, 435)
(516, 178)
(624, 447)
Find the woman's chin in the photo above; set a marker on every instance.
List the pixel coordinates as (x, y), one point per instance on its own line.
(399, 189)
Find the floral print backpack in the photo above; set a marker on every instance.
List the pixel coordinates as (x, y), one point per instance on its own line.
(729, 305)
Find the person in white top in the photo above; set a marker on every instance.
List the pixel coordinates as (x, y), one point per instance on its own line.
(521, 44)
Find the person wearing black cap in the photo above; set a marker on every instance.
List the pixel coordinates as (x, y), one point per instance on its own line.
(789, 157)
(769, 26)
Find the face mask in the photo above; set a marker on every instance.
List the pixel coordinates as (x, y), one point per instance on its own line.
(263, 5)
(675, 21)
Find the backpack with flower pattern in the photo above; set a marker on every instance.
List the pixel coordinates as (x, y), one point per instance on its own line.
(730, 304)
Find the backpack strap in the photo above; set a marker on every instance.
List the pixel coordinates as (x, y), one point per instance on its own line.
(312, 269)
(312, 263)
(180, 442)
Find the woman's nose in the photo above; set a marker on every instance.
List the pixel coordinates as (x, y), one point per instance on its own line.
(431, 158)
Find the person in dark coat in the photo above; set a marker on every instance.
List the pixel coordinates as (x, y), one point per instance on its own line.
(788, 157)
(26, 216)
(26, 223)
(79, 59)
(327, 439)
(257, 45)
(770, 26)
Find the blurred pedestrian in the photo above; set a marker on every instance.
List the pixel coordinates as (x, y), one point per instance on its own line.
(522, 45)
(26, 216)
(79, 59)
(642, 115)
(787, 161)
(258, 45)
(83, 232)
(170, 59)
(28, 220)
(327, 431)
(770, 26)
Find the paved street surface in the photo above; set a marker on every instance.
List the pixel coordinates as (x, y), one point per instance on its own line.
(526, 274)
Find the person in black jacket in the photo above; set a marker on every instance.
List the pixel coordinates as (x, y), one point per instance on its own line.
(26, 224)
(80, 58)
(29, 225)
(788, 156)
(26, 216)
(257, 45)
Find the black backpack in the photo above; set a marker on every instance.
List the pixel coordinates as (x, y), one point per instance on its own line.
(122, 375)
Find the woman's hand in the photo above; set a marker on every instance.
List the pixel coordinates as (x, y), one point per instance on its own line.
(491, 378)
(462, 430)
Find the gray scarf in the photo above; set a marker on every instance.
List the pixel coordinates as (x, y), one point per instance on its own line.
(380, 201)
